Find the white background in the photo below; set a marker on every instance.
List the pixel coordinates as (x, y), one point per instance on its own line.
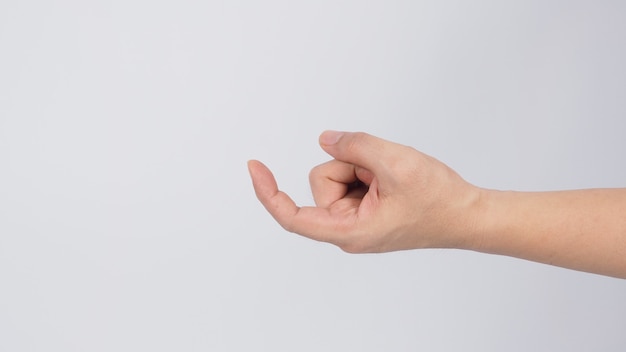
(128, 222)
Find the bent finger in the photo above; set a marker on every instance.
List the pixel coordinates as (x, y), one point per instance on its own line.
(330, 181)
(312, 222)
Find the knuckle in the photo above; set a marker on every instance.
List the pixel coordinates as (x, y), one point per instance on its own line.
(315, 172)
(405, 165)
(288, 225)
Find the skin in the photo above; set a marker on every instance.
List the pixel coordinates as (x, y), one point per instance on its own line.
(378, 196)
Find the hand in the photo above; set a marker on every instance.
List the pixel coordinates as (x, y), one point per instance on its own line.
(376, 196)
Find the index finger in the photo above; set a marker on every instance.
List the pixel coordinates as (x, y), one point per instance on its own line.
(312, 222)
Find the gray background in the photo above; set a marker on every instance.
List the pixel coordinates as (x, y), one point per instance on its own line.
(128, 222)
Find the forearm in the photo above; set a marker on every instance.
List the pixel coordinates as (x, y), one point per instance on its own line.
(582, 230)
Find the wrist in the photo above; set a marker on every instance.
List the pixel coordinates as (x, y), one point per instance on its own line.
(468, 220)
(482, 212)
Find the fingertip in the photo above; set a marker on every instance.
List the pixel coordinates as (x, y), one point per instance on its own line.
(330, 137)
(258, 170)
(254, 164)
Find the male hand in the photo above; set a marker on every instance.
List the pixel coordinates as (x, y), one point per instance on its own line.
(376, 196)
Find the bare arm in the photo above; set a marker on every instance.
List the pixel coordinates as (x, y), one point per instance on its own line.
(582, 229)
(378, 196)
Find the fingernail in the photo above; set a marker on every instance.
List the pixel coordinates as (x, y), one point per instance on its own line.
(330, 137)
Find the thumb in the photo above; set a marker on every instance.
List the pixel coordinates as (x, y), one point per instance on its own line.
(360, 149)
